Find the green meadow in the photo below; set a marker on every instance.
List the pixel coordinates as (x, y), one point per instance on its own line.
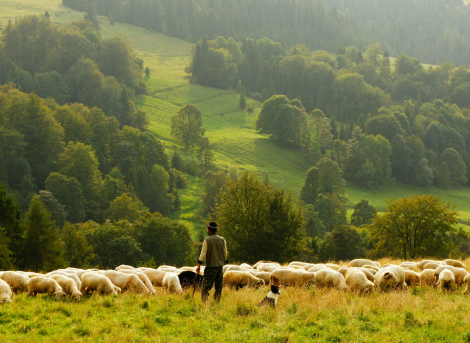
(231, 131)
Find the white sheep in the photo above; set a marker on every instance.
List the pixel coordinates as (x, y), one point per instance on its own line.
(171, 282)
(330, 278)
(361, 262)
(5, 292)
(144, 278)
(391, 276)
(67, 274)
(459, 273)
(68, 285)
(155, 276)
(95, 282)
(126, 281)
(17, 281)
(446, 280)
(42, 284)
(357, 281)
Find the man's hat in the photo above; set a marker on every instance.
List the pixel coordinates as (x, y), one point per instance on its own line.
(212, 226)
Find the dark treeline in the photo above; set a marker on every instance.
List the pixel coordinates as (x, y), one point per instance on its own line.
(434, 31)
(294, 22)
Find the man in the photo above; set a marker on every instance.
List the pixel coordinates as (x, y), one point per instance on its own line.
(214, 253)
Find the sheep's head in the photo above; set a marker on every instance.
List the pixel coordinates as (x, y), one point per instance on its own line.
(59, 294)
(77, 295)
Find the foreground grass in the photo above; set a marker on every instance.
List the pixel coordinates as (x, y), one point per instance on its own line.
(306, 314)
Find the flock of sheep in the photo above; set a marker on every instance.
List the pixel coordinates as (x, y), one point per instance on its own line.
(360, 275)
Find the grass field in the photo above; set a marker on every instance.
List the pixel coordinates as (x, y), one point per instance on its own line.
(230, 130)
(308, 314)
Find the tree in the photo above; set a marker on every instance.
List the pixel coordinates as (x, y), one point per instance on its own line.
(456, 165)
(91, 13)
(42, 243)
(327, 249)
(260, 222)
(445, 179)
(56, 209)
(124, 207)
(147, 71)
(205, 155)
(363, 213)
(68, 191)
(348, 242)
(282, 119)
(186, 125)
(166, 241)
(77, 252)
(124, 250)
(242, 101)
(210, 198)
(400, 158)
(414, 227)
(11, 227)
(157, 192)
(177, 161)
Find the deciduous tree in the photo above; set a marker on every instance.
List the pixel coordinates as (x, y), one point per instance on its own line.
(186, 125)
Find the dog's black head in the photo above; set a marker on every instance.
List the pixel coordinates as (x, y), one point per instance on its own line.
(275, 289)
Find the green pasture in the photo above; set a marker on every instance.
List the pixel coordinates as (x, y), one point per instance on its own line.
(308, 314)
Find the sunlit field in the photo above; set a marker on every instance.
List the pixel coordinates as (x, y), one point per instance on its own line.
(420, 314)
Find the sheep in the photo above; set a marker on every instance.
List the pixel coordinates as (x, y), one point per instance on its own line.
(172, 283)
(168, 269)
(265, 276)
(431, 265)
(369, 275)
(297, 263)
(466, 280)
(99, 283)
(232, 268)
(455, 263)
(5, 292)
(240, 279)
(124, 266)
(264, 262)
(188, 278)
(68, 285)
(67, 274)
(459, 273)
(155, 276)
(246, 265)
(446, 280)
(361, 262)
(421, 264)
(412, 278)
(427, 277)
(143, 278)
(126, 282)
(268, 267)
(309, 266)
(291, 277)
(314, 269)
(42, 284)
(343, 270)
(17, 281)
(393, 276)
(332, 266)
(330, 278)
(373, 267)
(357, 281)
(411, 266)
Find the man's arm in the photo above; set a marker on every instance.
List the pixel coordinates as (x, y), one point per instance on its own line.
(202, 257)
(225, 251)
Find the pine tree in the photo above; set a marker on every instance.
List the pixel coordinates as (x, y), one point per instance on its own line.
(242, 101)
(361, 122)
(359, 58)
(205, 156)
(42, 247)
(91, 13)
(147, 72)
(445, 180)
(47, 15)
(334, 129)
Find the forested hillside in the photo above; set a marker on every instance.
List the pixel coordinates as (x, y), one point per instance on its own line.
(434, 31)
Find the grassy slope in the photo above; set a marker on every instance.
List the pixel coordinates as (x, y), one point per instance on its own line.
(230, 130)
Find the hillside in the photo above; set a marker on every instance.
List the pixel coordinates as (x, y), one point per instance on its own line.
(230, 130)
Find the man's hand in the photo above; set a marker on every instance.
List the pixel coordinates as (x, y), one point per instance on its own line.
(198, 269)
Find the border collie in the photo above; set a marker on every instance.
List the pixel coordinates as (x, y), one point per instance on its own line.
(271, 298)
